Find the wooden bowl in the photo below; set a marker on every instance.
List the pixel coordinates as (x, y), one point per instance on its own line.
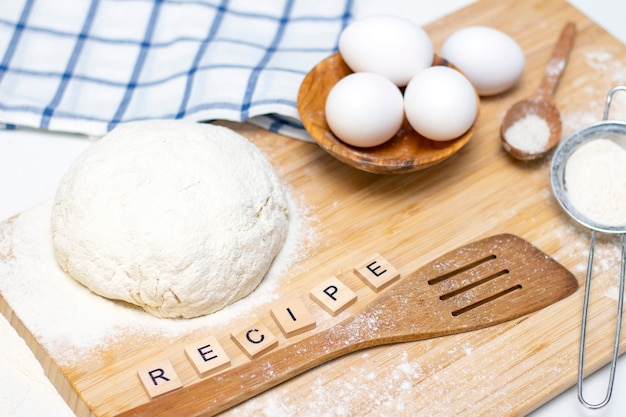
(407, 151)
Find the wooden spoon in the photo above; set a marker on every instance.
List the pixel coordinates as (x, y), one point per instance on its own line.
(540, 104)
(487, 282)
(407, 151)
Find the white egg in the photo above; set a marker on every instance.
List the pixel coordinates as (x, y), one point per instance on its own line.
(489, 58)
(364, 109)
(390, 46)
(440, 103)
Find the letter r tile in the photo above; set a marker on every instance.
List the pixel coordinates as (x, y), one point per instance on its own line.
(377, 272)
(158, 378)
(333, 296)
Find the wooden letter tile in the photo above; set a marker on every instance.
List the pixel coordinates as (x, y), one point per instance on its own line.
(255, 340)
(207, 356)
(377, 272)
(333, 296)
(292, 317)
(159, 378)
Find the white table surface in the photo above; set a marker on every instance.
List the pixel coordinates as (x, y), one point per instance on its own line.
(32, 163)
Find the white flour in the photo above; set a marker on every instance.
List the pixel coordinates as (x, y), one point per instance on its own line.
(529, 134)
(595, 179)
(29, 392)
(70, 321)
(387, 389)
(604, 70)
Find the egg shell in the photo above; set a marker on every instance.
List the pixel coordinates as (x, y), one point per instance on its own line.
(390, 46)
(489, 58)
(440, 103)
(364, 109)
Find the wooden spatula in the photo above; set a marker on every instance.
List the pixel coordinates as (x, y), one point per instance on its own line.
(479, 285)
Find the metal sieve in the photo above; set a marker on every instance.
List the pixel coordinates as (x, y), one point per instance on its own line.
(615, 131)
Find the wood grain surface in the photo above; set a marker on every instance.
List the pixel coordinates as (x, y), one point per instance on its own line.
(479, 285)
(508, 369)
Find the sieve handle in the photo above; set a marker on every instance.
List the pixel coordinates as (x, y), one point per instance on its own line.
(618, 326)
(609, 98)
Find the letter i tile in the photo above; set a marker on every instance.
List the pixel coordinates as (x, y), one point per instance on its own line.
(292, 317)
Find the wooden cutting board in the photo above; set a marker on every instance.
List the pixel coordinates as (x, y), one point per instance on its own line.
(509, 369)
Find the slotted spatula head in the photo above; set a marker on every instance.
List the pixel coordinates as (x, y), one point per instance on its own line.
(487, 282)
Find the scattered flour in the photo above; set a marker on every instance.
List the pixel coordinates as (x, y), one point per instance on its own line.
(606, 70)
(607, 255)
(29, 392)
(70, 321)
(388, 390)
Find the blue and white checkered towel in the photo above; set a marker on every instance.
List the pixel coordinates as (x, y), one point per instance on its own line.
(83, 66)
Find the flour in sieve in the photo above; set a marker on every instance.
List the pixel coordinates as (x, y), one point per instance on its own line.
(70, 321)
(603, 70)
(595, 179)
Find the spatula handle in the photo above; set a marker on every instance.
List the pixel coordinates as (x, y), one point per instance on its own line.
(218, 393)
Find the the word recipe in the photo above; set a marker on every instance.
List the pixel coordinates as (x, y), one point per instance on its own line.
(291, 316)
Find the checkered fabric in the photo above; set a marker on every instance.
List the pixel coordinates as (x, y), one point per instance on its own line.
(83, 66)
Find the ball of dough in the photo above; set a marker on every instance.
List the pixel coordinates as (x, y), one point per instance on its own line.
(177, 217)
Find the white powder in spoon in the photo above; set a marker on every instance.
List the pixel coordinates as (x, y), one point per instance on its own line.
(529, 134)
(595, 180)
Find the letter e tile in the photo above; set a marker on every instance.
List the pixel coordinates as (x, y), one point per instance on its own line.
(159, 378)
(207, 356)
(377, 272)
